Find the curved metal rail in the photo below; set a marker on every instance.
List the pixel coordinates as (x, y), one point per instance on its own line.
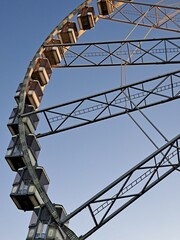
(21, 105)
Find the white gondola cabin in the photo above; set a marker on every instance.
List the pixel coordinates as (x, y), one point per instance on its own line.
(86, 18)
(105, 7)
(42, 71)
(14, 155)
(53, 53)
(24, 193)
(30, 122)
(68, 33)
(42, 225)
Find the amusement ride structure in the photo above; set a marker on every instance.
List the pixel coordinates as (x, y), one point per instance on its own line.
(63, 49)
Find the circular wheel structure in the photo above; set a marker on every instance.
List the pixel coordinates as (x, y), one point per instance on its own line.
(135, 42)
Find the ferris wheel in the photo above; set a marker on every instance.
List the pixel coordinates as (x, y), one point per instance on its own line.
(66, 48)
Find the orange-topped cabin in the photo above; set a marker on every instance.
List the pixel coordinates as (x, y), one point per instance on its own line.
(34, 93)
(86, 18)
(53, 53)
(42, 71)
(68, 33)
(105, 7)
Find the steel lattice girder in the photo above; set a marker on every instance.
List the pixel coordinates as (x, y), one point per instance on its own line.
(120, 53)
(110, 104)
(131, 185)
(147, 15)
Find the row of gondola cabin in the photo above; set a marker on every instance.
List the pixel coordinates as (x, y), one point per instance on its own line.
(39, 78)
(68, 33)
(53, 53)
(43, 226)
(24, 193)
(14, 155)
(42, 71)
(30, 122)
(105, 7)
(86, 18)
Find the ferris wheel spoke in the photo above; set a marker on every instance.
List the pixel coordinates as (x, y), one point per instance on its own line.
(157, 16)
(110, 104)
(139, 52)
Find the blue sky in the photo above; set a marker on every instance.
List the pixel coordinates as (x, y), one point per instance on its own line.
(81, 162)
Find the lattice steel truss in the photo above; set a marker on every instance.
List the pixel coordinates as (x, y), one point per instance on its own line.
(110, 104)
(131, 185)
(147, 15)
(135, 52)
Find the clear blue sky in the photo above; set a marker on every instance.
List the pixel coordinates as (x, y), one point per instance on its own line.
(81, 162)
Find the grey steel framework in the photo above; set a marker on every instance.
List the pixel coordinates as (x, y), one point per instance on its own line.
(147, 173)
(135, 52)
(111, 103)
(158, 16)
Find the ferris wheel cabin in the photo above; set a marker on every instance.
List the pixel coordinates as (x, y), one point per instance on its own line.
(24, 193)
(53, 54)
(34, 93)
(42, 225)
(30, 122)
(42, 71)
(14, 155)
(105, 7)
(68, 33)
(86, 18)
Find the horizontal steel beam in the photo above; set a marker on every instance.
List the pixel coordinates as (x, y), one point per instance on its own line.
(120, 53)
(109, 104)
(147, 15)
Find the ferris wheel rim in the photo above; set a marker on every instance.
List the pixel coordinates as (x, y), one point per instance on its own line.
(21, 105)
